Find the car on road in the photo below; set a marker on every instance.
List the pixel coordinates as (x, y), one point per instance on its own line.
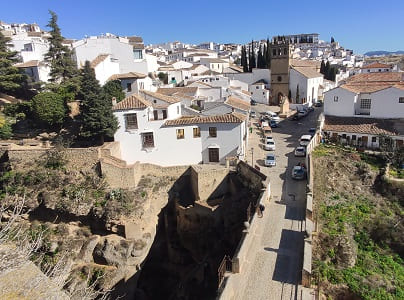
(305, 140)
(302, 113)
(270, 160)
(253, 114)
(299, 172)
(269, 145)
(273, 124)
(318, 103)
(253, 102)
(268, 138)
(300, 151)
(271, 114)
(312, 131)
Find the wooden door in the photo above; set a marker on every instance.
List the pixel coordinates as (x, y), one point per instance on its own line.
(155, 114)
(213, 154)
(364, 141)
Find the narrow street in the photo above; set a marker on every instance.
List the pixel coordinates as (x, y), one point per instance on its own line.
(275, 272)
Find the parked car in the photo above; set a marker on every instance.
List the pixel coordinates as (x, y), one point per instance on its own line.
(253, 102)
(253, 114)
(318, 103)
(275, 118)
(302, 113)
(305, 140)
(270, 160)
(300, 151)
(268, 138)
(299, 172)
(269, 145)
(310, 109)
(271, 113)
(273, 124)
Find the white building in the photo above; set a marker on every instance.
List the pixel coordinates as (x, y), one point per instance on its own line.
(367, 106)
(153, 131)
(133, 82)
(376, 67)
(104, 67)
(259, 92)
(38, 71)
(215, 64)
(308, 82)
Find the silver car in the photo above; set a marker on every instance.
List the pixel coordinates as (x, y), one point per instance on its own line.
(270, 160)
(300, 151)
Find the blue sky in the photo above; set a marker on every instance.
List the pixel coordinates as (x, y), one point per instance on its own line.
(357, 24)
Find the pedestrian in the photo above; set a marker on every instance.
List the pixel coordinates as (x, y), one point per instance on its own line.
(250, 129)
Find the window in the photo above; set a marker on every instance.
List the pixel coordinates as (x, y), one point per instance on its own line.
(373, 139)
(263, 93)
(131, 121)
(172, 78)
(155, 115)
(180, 134)
(148, 140)
(137, 54)
(285, 51)
(354, 137)
(335, 98)
(129, 87)
(274, 52)
(380, 70)
(401, 100)
(279, 51)
(212, 131)
(213, 154)
(279, 78)
(344, 136)
(178, 110)
(164, 114)
(197, 132)
(257, 87)
(365, 103)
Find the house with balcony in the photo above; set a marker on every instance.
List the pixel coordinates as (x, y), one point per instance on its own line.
(153, 130)
(365, 109)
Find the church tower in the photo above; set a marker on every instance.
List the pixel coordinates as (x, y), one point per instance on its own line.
(280, 63)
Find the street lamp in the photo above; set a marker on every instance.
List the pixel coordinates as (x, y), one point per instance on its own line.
(252, 156)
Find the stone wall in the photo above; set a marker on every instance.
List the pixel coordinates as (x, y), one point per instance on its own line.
(208, 181)
(251, 176)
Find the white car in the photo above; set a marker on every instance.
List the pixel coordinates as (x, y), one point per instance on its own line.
(253, 114)
(269, 145)
(268, 138)
(270, 160)
(271, 114)
(300, 151)
(305, 140)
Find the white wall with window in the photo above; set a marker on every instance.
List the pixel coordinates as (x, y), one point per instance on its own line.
(387, 104)
(339, 102)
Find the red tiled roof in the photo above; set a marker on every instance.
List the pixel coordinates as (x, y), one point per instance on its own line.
(226, 118)
(28, 64)
(238, 103)
(377, 65)
(162, 97)
(127, 76)
(96, 61)
(132, 102)
(364, 125)
(172, 91)
(390, 77)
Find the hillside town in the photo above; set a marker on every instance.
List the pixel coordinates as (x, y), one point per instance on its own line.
(194, 168)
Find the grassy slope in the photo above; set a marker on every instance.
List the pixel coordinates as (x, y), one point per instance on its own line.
(349, 209)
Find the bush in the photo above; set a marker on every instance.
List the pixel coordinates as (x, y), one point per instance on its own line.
(17, 109)
(49, 109)
(6, 131)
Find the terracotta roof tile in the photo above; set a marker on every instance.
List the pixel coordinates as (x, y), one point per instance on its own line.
(391, 77)
(308, 72)
(226, 118)
(96, 61)
(132, 102)
(28, 64)
(376, 65)
(162, 97)
(238, 103)
(172, 91)
(127, 76)
(364, 125)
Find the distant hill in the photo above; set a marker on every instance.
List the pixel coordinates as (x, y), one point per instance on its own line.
(383, 53)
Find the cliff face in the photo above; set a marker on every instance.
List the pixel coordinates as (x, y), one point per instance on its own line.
(102, 234)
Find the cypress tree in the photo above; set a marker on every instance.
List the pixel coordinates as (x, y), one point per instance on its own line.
(297, 94)
(59, 57)
(11, 79)
(251, 58)
(97, 117)
(244, 61)
(327, 70)
(322, 67)
(268, 54)
(264, 56)
(259, 58)
(332, 40)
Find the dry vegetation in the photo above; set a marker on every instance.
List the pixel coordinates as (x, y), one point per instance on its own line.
(359, 251)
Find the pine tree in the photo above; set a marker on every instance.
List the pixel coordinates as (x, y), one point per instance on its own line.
(113, 89)
(322, 67)
(11, 79)
(251, 57)
(264, 56)
(332, 40)
(297, 94)
(259, 58)
(97, 117)
(59, 57)
(327, 70)
(244, 61)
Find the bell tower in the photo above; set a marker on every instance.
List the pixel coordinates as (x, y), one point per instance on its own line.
(280, 50)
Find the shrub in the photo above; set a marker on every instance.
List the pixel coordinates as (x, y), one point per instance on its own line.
(49, 109)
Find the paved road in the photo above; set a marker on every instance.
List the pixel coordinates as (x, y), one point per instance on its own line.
(275, 272)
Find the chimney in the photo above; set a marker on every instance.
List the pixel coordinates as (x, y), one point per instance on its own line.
(113, 101)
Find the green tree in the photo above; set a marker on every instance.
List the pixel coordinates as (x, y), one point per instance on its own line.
(49, 109)
(251, 58)
(297, 94)
(327, 70)
(96, 109)
(244, 61)
(268, 54)
(59, 57)
(260, 59)
(332, 40)
(113, 89)
(11, 79)
(290, 95)
(322, 67)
